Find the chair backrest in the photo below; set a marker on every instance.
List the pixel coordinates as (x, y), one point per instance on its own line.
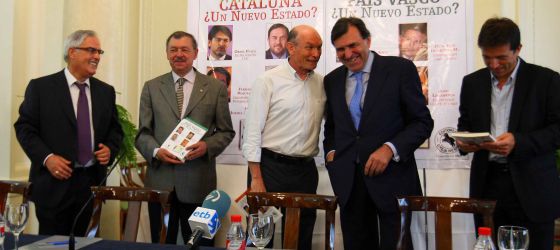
(293, 202)
(135, 197)
(442, 208)
(16, 187)
(127, 179)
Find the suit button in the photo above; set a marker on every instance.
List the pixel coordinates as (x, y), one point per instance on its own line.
(357, 137)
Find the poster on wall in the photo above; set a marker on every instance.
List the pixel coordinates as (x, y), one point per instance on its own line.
(240, 39)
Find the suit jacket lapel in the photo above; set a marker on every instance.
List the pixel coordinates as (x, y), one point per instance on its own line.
(486, 101)
(198, 92)
(376, 81)
(339, 95)
(63, 92)
(520, 91)
(167, 89)
(95, 93)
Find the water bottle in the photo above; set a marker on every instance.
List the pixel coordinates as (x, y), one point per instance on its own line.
(235, 237)
(484, 241)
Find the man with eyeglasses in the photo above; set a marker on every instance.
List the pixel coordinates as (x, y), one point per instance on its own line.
(219, 40)
(165, 100)
(69, 129)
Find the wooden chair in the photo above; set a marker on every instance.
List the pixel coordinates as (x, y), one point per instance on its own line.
(126, 175)
(16, 187)
(135, 197)
(293, 202)
(442, 207)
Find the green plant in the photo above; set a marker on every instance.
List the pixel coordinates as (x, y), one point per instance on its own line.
(558, 160)
(127, 151)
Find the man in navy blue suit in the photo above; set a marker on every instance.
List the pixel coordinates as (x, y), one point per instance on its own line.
(376, 119)
(518, 103)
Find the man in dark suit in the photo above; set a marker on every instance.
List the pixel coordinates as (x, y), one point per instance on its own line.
(517, 102)
(68, 127)
(376, 119)
(219, 40)
(165, 100)
(277, 40)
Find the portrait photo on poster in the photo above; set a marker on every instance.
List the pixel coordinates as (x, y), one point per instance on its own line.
(220, 42)
(413, 41)
(276, 40)
(223, 74)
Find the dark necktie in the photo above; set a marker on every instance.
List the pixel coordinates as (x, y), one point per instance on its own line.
(85, 153)
(180, 94)
(355, 108)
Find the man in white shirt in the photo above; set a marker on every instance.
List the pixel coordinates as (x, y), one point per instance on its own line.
(283, 123)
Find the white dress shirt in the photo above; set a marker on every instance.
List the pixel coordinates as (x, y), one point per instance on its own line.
(284, 114)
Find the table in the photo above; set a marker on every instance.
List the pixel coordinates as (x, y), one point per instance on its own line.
(100, 245)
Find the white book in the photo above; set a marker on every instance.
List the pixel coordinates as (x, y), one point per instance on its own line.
(186, 133)
(472, 138)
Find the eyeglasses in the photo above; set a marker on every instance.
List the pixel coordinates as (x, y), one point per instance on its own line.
(91, 50)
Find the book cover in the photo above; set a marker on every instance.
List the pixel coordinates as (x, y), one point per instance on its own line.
(185, 134)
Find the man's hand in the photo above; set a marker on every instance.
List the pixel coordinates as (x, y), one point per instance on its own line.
(467, 147)
(257, 183)
(164, 156)
(503, 145)
(103, 155)
(378, 161)
(330, 156)
(197, 150)
(59, 167)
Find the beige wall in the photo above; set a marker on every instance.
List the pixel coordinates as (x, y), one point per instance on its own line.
(133, 33)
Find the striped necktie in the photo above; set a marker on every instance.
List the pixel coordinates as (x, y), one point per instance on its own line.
(180, 94)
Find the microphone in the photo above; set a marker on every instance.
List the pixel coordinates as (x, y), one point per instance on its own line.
(205, 220)
(71, 240)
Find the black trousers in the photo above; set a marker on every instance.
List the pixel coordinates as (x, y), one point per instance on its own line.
(179, 214)
(59, 220)
(499, 186)
(291, 176)
(363, 225)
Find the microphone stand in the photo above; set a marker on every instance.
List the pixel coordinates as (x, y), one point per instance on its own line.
(71, 240)
(193, 241)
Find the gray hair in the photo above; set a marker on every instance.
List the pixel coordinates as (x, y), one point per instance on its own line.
(75, 39)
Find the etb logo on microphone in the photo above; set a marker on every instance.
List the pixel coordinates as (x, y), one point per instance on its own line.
(206, 219)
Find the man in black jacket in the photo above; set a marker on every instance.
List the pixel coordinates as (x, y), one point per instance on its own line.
(518, 103)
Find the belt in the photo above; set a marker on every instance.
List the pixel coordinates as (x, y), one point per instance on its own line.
(285, 158)
(498, 167)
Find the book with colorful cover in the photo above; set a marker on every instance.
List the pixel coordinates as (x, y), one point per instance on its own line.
(186, 133)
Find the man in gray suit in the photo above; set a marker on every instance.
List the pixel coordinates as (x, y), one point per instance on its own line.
(165, 100)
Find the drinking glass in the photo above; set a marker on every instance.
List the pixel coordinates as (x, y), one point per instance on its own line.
(16, 218)
(261, 229)
(513, 237)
